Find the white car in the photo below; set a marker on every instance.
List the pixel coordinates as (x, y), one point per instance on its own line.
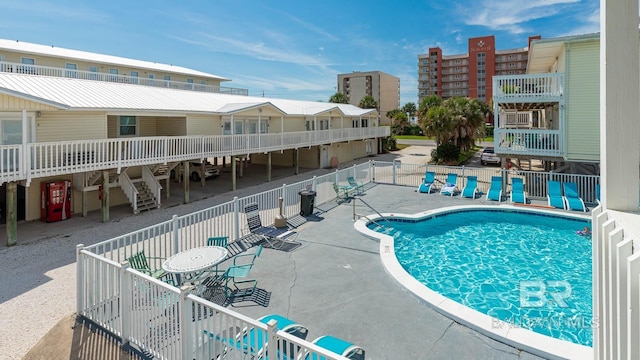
(196, 172)
(489, 156)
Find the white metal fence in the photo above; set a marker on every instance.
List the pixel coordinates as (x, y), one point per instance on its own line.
(170, 323)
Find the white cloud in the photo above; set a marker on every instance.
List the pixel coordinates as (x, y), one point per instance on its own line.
(510, 15)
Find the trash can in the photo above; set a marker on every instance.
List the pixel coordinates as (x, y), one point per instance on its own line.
(307, 198)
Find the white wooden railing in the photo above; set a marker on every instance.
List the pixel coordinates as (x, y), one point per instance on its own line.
(534, 142)
(152, 183)
(123, 79)
(529, 86)
(68, 157)
(129, 190)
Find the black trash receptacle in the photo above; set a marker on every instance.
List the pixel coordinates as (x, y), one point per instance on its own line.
(307, 198)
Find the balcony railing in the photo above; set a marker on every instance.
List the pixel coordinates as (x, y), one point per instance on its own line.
(533, 86)
(533, 142)
(123, 79)
(68, 157)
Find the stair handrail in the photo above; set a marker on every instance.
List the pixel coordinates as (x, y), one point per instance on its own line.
(129, 189)
(355, 215)
(153, 184)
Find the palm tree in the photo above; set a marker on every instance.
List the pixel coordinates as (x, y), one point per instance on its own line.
(426, 104)
(438, 123)
(400, 123)
(368, 102)
(392, 113)
(339, 98)
(409, 109)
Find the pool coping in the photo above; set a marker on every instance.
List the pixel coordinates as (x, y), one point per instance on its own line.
(520, 338)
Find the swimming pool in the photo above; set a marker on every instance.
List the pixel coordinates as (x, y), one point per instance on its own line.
(522, 269)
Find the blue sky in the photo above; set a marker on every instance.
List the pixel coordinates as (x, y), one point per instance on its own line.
(291, 49)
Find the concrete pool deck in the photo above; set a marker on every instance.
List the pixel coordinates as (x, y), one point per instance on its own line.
(335, 283)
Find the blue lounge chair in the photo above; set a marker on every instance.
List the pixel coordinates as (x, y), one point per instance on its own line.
(517, 191)
(554, 195)
(338, 346)
(427, 184)
(471, 189)
(450, 188)
(254, 341)
(571, 198)
(495, 191)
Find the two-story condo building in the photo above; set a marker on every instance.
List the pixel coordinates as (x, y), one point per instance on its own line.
(115, 128)
(552, 112)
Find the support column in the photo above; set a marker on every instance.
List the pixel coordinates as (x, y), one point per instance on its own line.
(185, 182)
(167, 185)
(241, 174)
(85, 199)
(105, 196)
(619, 112)
(12, 213)
(224, 162)
(269, 166)
(233, 174)
(296, 160)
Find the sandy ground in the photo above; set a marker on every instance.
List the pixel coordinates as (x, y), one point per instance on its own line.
(38, 281)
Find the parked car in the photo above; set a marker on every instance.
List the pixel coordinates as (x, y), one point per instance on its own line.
(489, 157)
(196, 173)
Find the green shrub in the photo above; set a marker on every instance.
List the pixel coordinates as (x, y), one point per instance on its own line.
(446, 153)
(390, 143)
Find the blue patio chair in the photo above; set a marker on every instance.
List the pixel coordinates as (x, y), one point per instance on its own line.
(235, 277)
(338, 346)
(254, 341)
(572, 200)
(471, 188)
(427, 184)
(450, 188)
(495, 191)
(356, 185)
(518, 195)
(554, 195)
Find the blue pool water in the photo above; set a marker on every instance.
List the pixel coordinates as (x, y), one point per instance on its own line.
(523, 269)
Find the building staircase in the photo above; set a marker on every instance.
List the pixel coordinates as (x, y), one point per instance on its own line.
(145, 199)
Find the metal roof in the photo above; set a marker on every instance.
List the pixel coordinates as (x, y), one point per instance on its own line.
(78, 94)
(52, 51)
(544, 52)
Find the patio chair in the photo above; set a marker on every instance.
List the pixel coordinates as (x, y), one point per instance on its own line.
(338, 346)
(358, 186)
(254, 342)
(269, 234)
(471, 188)
(554, 195)
(140, 262)
(342, 194)
(572, 200)
(495, 191)
(236, 282)
(518, 195)
(450, 188)
(427, 183)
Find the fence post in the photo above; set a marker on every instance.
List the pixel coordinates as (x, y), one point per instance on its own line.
(79, 280)
(272, 336)
(504, 182)
(373, 171)
(236, 218)
(185, 322)
(354, 172)
(284, 200)
(393, 172)
(337, 178)
(176, 240)
(464, 182)
(314, 183)
(125, 303)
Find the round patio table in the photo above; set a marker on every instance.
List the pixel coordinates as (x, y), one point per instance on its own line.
(194, 260)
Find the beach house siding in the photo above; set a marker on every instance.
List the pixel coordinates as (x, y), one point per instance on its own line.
(64, 125)
(582, 80)
(12, 103)
(195, 125)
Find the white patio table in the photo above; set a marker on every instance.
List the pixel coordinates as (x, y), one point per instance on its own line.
(194, 260)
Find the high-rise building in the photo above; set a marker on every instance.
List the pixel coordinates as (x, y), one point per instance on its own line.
(384, 88)
(469, 74)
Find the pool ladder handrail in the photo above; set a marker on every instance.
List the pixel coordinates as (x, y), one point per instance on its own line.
(356, 215)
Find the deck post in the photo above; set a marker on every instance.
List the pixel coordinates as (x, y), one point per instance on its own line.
(105, 196)
(185, 182)
(233, 173)
(12, 213)
(269, 166)
(296, 159)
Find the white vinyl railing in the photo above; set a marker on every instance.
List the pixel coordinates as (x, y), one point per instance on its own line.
(122, 79)
(153, 184)
(528, 142)
(616, 284)
(129, 190)
(68, 157)
(148, 313)
(528, 86)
